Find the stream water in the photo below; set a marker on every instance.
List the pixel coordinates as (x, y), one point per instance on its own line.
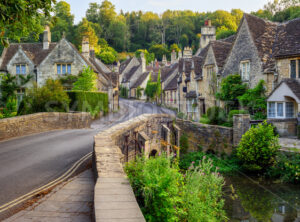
(263, 201)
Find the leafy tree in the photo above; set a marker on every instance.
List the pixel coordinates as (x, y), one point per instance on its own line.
(184, 40)
(118, 33)
(280, 5)
(158, 50)
(149, 56)
(231, 88)
(21, 17)
(255, 100)
(258, 147)
(175, 48)
(107, 14)
(62, 22)
(87, 80)
(107, 57)
(85, 29)
(287, 14)
(10, 84)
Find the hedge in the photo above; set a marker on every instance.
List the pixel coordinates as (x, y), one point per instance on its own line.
(93, 102)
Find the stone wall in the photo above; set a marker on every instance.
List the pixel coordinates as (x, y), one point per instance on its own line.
(114, 199)
(285, 127)
(210, 137)
(42, 122)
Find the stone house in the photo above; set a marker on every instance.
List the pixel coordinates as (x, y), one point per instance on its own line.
(140, 84)
(251, 54)
(55, 60)
(169, 76)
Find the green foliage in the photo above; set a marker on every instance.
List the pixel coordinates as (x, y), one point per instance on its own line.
(158, 50)
(203, 193)
(124, 92)
(158, 86)
(22, 17)
(175, 48)
(204, 119)
(148, 56)
(222, 34)
(49, 98)
(151, 89)
(9, 85)
(87, 80)
(139, 92)
(258, 147)
(216, 115)
(231, 88)
(157, 181)
(10, 109)
(287, 14)
(235, 112)
(255, 100)
(181, 115)
(286, 167)
(228, 166)
(92, 102)
(107, 57)
(184, 143)
(165, 195)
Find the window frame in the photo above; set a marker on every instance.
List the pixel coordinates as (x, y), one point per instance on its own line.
(21, 66)
(245, 69)
(63, 68)
(284, 110)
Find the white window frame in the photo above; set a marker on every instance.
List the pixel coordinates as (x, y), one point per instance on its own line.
(245, 69)
(276, 116)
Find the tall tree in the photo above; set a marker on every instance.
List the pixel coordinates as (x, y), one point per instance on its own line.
(85, 29)
(21, 17)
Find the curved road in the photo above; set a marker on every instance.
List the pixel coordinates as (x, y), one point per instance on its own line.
(29, 162)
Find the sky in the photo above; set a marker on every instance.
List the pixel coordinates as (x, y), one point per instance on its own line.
(79, 7)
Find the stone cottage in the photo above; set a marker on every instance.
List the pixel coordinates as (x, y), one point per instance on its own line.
(55, 60)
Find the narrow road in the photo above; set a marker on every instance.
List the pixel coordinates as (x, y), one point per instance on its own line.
(29, 162)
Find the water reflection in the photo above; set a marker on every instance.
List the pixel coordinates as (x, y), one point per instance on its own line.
(261, 202)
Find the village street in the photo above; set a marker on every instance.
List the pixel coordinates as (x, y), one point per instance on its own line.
(29, 162)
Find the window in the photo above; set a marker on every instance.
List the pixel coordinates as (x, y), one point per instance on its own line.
(63, 69)
(245, 70)
(174, 96)
(210, 70)
(289, 109)
(271, 110)
(293, 69)
(280, 109)
(21, 69)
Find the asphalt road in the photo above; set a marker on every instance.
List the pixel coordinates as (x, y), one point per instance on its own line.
(29, 162)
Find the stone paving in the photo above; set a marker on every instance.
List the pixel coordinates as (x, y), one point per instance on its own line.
(71, 201)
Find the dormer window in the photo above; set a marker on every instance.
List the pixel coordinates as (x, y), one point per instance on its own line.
(245, 70)
(63, 68)
(21, 69)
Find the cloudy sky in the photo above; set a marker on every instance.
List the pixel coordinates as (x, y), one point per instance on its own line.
(79, 7)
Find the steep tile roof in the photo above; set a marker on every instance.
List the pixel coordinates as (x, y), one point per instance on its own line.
(288, 39)
(140, 80)
(130, 73)
(124, 64)
(221, 50)
(172, 85)
(263, 34)
(34, 51)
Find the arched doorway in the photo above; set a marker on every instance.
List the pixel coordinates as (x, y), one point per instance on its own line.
(153, 153)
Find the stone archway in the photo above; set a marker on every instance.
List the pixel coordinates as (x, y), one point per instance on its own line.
(153, 153)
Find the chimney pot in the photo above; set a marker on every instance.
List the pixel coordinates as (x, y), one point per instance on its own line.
(46, 37)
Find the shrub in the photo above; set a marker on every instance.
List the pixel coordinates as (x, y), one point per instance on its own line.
(204, 119)
(230, 165)
(235, 112)
(258, 147)
(87, 80)
(180, 115)
(156, 181)
(216, 115)
(203, 193)
(92, 102)
(184, 143)
(49, 98)
(286, 168)
(10, 109)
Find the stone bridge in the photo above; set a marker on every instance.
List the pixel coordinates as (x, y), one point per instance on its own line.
(114, 198)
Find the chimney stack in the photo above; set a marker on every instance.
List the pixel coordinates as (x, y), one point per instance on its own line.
(92, 52)
(47, 37)
(173, 57)
(187, 53)
(143, 62)
(85, 47)
(164, 60)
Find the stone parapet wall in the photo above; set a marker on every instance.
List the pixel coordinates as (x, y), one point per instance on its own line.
(114, 199)
(285, 127)
(218, 139)
(42, 122)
